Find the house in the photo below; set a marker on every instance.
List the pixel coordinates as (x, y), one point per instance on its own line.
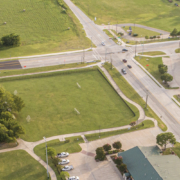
(147, 163)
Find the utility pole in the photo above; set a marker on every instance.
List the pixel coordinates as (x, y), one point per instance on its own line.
(147, 93)
(46, 158)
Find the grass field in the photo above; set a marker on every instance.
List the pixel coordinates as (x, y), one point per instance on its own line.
(43, 28)
(153, 53)
(141, 31)
(177, 50)
(71, 147)
(50, 102)
(92, 137)
(19, 165)
(132, 94)
(155, 13)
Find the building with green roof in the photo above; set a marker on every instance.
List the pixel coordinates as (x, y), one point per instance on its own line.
(147, 163)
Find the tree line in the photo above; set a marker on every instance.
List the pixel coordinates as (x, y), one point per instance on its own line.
(10, 104)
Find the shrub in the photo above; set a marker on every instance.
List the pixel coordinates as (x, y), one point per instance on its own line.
(135, 34)
(122, 167)
(67, 141)
(121, 34)
(117, 145)
(113, 151)
(107, 147)
(146, 37)
(118, 160)
(11, 40)
(154, 37)
(133, 123)
(151, 37)
(100, 155)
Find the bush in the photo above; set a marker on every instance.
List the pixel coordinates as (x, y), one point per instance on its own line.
(117, 145)
(133, 123)
(118, 160)
(100, 155)
(122, 167)
(146, 37)
(151, 37)
(11, 40)
(107, 147)
(67, 141)
(113, 151)
(135, 34)
(121, 34)
(154, 37)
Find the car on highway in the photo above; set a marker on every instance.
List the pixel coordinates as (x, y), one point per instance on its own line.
(64, 161)
(123, 71)
(67, 168)
(102, 43)
(124, 50)
(63, 154)
(73, 178)
(129, 66)
(124, 60)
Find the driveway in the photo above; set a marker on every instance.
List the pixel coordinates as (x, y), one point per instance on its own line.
(85, 166)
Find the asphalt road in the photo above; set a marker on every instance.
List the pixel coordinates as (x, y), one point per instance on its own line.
(10, 65)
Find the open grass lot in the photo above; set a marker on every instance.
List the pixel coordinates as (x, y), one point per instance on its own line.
(50, 102)
(141, 31)
(71, 147)
(132, 94)
(92, 137)
(43, 27)
(19, 165)
(155, 13)
(153, 53)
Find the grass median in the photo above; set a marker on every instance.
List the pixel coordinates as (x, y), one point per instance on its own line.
(127, 89)
(146, 124)
(153, 53)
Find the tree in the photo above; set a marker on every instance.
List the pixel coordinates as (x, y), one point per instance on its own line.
(117, 145)
(165, 138)
(64, 175)
(100, 155)
(55, 161)
(166, 77)
(178, 33)
(107, 147)
(51, 152)
(19, 104)
(174, 32)
(163, 69)
(11, 40)
(59, 168)
(146, 37)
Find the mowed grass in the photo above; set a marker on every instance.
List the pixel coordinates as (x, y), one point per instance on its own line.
(19, 165)
(141, 31)
(50, 102)
(155, 13)
(153, 53)
(43, 28)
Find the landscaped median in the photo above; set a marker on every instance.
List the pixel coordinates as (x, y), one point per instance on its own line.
(71, 145)
(153, 53)
(127, 89)
(146, 124)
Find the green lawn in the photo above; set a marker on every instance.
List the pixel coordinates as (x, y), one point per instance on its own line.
(153, 53)
(19, 165)
(176, 149)
(155, 13)
(71, 147)
(92, 137)
(176, 97)
(110, 35)
(43, 28)
(141, 31)
(127, 89)
(50, 102)
(41, 69)
(177, 50)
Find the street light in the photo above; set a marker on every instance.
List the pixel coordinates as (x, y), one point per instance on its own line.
(46, 157)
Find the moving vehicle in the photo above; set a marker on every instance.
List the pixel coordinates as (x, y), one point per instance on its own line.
(129, 66)
(102, 43)
(63, 154)
(124, 50)
(64, 161)
(67, 168)
(124, 60)
(123, 71)
(73, 178)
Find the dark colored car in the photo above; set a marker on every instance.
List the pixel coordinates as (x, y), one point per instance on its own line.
(123, 71)
(124, 60)
(124, 50)
(129, 66)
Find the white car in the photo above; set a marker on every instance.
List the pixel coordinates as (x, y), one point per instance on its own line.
(73, 178)
(64, 161)
(63, 154)
(67, 168)
(103, 44)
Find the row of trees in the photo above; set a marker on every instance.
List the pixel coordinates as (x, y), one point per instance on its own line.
(55, 160)
(10, 40)
(10, 105)
(165, 76)
(175, 33)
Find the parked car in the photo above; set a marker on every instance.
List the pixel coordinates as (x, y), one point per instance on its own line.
(129, 66)
(124, 71)
(124, 50)
(63, 154)
(73, 178)
(67, 168)
(102, 43)
(124, 60)
(64, 161)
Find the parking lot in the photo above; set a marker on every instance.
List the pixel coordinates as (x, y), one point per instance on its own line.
(87, 168)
